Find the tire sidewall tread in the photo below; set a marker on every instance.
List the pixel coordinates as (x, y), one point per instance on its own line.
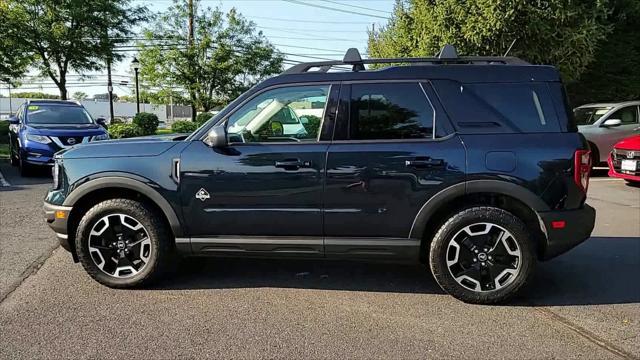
(439, 245)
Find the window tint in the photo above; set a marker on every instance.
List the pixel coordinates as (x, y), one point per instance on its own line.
(526, 106)
(283, 114)
(628, 115)
(390, 111)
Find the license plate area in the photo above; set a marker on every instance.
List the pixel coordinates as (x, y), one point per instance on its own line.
(629, 165)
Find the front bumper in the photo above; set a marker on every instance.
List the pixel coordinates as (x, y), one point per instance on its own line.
(56, 217)
(578, 225)
(614, 171)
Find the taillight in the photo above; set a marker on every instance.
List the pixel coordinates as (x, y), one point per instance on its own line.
(582, 169)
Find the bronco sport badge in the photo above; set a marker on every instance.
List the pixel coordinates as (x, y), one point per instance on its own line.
(202, 194)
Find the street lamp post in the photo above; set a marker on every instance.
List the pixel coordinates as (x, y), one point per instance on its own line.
(135, 64)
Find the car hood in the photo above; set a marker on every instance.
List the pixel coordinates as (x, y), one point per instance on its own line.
(118, 148)
(66, 130)
(630, 143)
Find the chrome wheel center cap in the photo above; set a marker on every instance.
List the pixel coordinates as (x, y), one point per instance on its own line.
(121, 245)
(482, 257)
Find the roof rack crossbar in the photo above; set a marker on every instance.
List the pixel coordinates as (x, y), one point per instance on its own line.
(447, 55)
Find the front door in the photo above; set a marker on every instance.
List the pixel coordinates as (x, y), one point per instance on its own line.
(629, 126)
(392, 152)
(263, 192)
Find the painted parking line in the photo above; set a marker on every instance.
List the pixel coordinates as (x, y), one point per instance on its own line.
(3, 181)
(605, 179)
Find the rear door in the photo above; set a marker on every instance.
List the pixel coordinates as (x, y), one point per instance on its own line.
(393, 149)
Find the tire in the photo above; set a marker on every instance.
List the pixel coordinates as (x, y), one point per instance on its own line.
(14, 159)
(95, 252)
(477, 255)
(632, 183)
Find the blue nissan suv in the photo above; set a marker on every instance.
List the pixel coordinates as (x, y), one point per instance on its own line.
(40, 128)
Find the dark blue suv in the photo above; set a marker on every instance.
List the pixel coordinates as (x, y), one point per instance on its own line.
(40, 128)
(472, 166)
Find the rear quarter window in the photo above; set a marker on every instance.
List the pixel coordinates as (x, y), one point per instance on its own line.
(499, 107)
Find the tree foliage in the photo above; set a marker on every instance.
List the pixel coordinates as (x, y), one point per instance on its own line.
(79, 95)
(120, 130)
(34, 95)
(14, 56)
(227, 56)
(72, 34)
(182, 126)
(560, 32)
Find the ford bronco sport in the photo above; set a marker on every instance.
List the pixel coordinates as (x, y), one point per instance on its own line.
(470, 165)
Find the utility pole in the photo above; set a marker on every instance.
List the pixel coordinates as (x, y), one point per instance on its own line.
(190, 41)
(110, 89)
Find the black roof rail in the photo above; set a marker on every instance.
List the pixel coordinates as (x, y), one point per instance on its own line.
(448, 55)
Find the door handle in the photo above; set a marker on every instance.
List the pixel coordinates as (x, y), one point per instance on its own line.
(424, 162)
(292, 164)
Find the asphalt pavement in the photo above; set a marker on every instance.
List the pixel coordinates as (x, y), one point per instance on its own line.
(584, 304)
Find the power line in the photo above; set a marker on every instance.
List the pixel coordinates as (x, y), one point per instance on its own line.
(334, 9)
(307, 30)
(357, 7)
(309, 21)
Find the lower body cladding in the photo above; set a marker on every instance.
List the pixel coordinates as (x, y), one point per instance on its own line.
(402, 249)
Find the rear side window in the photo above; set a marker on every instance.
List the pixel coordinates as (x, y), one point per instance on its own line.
(382, 111)
(499, 107)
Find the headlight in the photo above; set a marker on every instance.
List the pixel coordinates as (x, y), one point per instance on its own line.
(104, 136)
(38, 138)
(56, 175)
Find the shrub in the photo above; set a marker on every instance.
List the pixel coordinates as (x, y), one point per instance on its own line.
(147, 122)
(184, 126)
(120, 131)
(203, 117)
(4, 132)
(312, 125)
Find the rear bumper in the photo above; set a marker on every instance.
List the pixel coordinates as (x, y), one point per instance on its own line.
(578, 225)
(56, 217)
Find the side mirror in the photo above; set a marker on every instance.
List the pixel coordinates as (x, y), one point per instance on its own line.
(13, 120)
(612, 123)
(102, 122)
(304, 120)
(217, 137)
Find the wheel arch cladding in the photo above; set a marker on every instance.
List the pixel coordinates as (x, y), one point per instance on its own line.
(508, 196)
(92, 192)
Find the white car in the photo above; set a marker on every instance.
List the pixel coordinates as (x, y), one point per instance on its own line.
(603, 125)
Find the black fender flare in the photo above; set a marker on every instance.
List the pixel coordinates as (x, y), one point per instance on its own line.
(131, 184)
(470, 187)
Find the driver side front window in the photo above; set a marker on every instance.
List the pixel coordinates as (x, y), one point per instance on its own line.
(279, 115)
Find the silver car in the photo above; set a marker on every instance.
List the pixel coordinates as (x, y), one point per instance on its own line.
(605, 124)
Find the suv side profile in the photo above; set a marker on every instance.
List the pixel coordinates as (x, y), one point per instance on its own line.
(471, 165)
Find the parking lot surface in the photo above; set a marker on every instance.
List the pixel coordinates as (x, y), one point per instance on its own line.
(584, 304)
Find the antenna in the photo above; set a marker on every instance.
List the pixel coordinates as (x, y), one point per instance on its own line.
(510, 47)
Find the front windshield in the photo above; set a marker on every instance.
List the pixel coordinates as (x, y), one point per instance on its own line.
(589, 115)
(57, 114)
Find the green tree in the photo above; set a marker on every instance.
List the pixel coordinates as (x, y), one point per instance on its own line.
(564, 33)
(227, 56)
(79, 95)
(14, 56)
(73, 34)
(34, 95)
(615, 74)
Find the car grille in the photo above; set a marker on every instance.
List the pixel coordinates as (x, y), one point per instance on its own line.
(622, 154)
(62, 142)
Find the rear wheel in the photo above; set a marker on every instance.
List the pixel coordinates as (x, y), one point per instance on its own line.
(482, 255)
(123, 243)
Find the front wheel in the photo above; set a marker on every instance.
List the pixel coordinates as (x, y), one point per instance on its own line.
(123, 243)
(482, 255)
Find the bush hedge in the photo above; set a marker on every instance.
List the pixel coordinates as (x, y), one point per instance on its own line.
(120, 131)
(4, 132)
(203, 117)
(184, 126)
(147, 122)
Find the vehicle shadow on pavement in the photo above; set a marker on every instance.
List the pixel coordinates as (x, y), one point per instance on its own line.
(220, 273)
(603, 270)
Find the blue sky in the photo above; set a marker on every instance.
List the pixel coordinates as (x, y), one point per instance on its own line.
(326, 27)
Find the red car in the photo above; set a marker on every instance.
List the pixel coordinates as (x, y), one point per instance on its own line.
(624, 160)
